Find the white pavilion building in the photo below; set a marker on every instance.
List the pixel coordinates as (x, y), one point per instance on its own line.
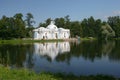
(51, 32)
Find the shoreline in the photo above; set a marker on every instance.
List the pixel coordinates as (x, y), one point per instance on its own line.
(21, 74)
(30, 40)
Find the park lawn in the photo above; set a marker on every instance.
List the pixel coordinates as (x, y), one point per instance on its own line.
(19, 41)
(23, 74)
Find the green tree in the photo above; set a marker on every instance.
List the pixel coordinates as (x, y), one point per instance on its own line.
(60, 22)
(75, 28)
(114, 22)
(91, 27)
(67, 21)
(85, 28)
(3, 27)
(42, 25)
(97, 28)
(11, 28)
(29, 23)
(107, 32)
(19, 26)
(29, 20)
(48, 21)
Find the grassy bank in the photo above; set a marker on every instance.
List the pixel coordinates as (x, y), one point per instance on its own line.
(22, 74)
(116, 39)
(88, 39)
(19, 41)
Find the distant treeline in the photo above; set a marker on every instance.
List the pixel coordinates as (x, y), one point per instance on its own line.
(16, 27)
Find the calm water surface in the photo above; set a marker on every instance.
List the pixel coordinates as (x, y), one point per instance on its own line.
(78, 58)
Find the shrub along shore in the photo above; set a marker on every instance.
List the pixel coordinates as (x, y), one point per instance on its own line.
(23, 74)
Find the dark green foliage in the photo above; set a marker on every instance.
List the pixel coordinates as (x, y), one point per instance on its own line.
(14, 27)
(29, 20)
(91, 27)
(114, 22)
(75, 29)
(19, 26)
(107, 32)
(47, 22)
(29, 24)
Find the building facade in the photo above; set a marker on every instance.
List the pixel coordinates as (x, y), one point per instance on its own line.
(51, 32)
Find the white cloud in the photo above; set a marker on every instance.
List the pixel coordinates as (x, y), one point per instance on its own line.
(113, 13)
(116, 12)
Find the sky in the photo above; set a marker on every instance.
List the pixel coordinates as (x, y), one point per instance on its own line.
(76, 9)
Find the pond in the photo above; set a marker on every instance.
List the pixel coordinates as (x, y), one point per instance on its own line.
(78, 58)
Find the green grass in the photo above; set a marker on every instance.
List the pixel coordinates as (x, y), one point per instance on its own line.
(116, 38)
(23, 74)
(88, 38)
(19, 41)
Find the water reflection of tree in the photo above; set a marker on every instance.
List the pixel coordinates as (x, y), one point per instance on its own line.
(88, 50)
(107, 47)
(16, 55)
(64, 57)
(29, 57)
(91, 51)
(115, 53)
(13, 55)
(111, 49)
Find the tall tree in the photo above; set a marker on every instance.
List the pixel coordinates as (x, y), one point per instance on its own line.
(107, 32)
(97, 28)
(48, 21)
(85, 28)
(3, 27)
(60, 22)
(19, 26)
(114, 22)
(75, 29)
(29, 23)
(29, 20)
(67, 21)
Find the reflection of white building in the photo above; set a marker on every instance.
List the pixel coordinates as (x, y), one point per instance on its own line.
(51, 32)
(51, 49)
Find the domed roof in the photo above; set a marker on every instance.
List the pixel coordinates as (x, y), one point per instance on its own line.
(52, 25)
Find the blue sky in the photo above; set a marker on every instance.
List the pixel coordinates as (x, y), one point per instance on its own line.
(76, 9)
